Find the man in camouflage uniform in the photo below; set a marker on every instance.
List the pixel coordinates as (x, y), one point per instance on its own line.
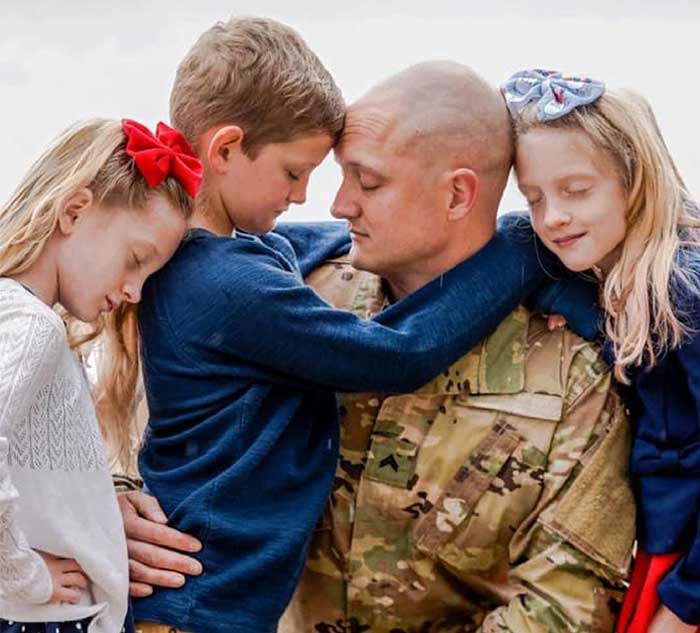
(494, 498)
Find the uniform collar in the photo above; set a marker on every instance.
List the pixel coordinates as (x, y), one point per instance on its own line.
(495, 366)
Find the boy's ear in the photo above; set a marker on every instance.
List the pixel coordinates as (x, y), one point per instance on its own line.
(223, 144)
(72, 210)
(463, 192)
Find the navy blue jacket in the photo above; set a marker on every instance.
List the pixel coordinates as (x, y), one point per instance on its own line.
(240, 362)
(664, 403)
(665, 467)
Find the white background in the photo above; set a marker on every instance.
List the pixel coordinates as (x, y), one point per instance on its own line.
(62, 61)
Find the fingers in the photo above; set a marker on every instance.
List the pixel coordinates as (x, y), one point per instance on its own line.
(149, 576)
(139, 589)
(75, 580)
(162, 558)
(144, 521)
(68, 565)
(145, 505)
(138, 529)
(63, 594)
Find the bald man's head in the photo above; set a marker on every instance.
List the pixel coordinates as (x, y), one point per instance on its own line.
(425, 158)
(445, 114)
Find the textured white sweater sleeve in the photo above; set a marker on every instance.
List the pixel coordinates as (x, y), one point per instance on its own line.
(30, 348)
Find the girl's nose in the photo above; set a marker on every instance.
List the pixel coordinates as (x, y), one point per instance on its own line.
(132, 292)
(555, 217)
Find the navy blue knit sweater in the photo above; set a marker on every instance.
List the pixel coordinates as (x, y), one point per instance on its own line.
(241, 361)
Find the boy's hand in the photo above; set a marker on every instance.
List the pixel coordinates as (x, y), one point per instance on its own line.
(67, 578)
(666, 621)
(152, 561)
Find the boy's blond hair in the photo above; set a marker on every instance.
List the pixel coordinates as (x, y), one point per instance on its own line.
(260, 75)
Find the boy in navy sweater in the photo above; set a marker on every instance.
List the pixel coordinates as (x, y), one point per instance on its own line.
(241, 359)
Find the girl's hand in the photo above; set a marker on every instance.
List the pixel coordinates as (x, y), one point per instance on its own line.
(666, 621)
(67, 578)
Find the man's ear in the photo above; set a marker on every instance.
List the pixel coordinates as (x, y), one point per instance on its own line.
(223, 144)
(72, 210)
(464, 192)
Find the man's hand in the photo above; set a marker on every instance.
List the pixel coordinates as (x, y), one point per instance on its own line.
(152, 561)
(666, 621)
(555, 322)
(67, 578)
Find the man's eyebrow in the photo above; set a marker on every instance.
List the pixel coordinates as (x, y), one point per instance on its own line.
(353, 164)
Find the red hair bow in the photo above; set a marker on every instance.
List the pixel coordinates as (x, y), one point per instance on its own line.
(166, 154)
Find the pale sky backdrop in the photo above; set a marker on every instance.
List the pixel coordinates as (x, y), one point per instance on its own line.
(63, 61)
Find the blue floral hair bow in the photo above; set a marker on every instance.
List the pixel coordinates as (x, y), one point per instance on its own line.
(554, 94)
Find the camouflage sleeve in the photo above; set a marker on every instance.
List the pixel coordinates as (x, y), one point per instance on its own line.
(572, 555)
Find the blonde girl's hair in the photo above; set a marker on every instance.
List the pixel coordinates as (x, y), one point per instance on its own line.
(645, 294)
(90, 154)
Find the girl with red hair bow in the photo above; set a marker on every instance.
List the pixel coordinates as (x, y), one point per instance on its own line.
(104, 207)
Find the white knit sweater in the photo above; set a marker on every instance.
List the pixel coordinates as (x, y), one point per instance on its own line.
(56, 494)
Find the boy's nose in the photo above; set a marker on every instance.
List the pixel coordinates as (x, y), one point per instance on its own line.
(298, 195)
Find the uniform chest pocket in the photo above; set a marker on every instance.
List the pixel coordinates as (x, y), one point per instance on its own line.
(470, 526)
(467, 486)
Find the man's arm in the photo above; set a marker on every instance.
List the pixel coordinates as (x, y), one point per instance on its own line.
(574, 556)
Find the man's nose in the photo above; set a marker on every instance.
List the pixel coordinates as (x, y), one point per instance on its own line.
(344, 206)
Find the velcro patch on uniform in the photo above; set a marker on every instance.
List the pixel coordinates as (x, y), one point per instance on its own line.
(528, 405)
(601, 489)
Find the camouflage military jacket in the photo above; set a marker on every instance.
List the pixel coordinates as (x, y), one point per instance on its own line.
(495, 498)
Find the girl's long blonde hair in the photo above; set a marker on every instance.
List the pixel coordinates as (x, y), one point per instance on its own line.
(642, 294)
(89, 154)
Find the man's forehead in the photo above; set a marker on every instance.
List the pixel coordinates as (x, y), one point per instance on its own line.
(367, 133)
(375, 118)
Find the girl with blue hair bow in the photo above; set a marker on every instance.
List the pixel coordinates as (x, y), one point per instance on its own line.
(605, 196)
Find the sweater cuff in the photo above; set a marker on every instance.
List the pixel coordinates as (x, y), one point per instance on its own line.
(40, 586)
(122, 483)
